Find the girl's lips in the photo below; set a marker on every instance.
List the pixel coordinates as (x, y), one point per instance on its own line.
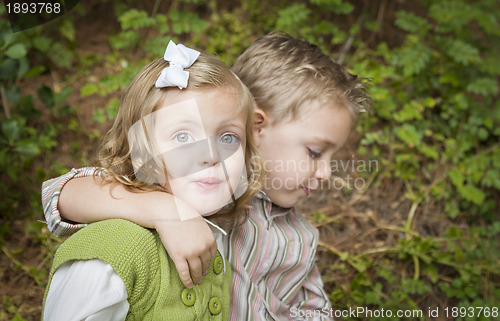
(208, 183)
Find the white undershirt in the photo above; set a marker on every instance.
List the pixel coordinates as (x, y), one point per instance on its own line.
(86, 290)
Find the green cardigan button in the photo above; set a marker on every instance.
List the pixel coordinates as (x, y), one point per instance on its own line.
(215, 305)
(188, 297)
(218, 265)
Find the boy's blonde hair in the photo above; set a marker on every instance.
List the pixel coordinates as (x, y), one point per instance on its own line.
(284, 74)
(141, 98)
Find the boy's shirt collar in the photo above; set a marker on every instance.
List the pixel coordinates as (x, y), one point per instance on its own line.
(272, 210)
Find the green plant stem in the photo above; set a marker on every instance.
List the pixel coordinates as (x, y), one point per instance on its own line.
(416, 263)
(374, 175)
(411, 215)
(5, 102)
(155, 8)
(14, 260)
(330, 248)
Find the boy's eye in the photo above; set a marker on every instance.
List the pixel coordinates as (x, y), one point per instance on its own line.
(229, 139)
(313, 154)
(183, 138)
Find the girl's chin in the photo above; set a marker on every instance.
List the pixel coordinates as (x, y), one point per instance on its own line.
(206, 211)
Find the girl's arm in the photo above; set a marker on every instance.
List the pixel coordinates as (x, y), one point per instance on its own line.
(83, 198)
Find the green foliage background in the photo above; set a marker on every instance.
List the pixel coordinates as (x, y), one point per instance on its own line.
(434, 68)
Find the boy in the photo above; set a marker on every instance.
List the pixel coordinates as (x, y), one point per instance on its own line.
(306, 104)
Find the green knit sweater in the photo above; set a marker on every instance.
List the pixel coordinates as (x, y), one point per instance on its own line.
(155, 291)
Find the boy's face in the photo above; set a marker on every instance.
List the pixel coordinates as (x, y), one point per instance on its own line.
(297, 153)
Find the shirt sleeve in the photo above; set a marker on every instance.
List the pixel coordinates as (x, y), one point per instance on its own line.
(86, 290)
(51, 189)
(312, 297)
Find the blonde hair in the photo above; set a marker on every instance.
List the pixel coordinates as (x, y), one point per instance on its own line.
(141, 98)
(284, 74)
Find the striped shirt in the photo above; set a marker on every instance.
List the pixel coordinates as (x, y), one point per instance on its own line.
(272, 257)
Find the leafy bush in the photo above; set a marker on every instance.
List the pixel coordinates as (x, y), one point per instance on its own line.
(29, 125)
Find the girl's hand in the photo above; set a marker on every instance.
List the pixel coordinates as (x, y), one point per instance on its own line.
(190, 243)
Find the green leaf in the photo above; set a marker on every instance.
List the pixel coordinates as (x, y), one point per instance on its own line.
(408, 134)
(17, 317)
(135, 19)
(16, 51)
(112, 108)
(88, 89)
(61, 55)
(412, 110)
(11, 129)
(483, 86)
(126, 39)
(35, 71)
(292, 16)
(24, 66)
(432, 273)
(63, 95)
(335, 6)
(99, 115)
(46, 96)
(460, 51)
(27, 147)
(472, 193)
(412, 23)
(9, 69)
(42, 43)
(429, 151)
(457, 177)
(67, 29)
(414, 56)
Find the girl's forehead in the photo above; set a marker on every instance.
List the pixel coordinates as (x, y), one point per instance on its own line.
(204, 102)
(174, 95)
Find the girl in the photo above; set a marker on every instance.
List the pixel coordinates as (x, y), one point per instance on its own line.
(187, 120)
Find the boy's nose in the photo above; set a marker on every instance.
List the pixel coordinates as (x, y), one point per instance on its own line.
(323, 171)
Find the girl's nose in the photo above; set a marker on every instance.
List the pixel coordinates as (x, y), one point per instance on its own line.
(210, 155)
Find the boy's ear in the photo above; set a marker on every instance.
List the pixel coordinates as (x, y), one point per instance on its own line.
(261, 120)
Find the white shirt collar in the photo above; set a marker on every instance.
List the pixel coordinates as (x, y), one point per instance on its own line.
(217, 230)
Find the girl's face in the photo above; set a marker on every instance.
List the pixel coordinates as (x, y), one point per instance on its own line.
(201, 138)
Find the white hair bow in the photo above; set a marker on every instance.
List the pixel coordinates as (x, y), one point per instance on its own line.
(179, 57)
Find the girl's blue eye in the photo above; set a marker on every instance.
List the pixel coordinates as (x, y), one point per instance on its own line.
(229, 139)
(182, 137)
(313, 154)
